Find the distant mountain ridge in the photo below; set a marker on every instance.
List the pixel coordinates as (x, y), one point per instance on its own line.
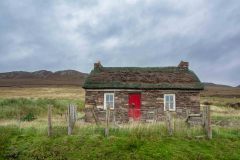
(219, 90)
(209, 84)
(41, 78)
(41, 74)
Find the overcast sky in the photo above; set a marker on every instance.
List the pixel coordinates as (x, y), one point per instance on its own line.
(58, 34)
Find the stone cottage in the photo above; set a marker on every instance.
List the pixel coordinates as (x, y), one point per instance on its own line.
(141, 93)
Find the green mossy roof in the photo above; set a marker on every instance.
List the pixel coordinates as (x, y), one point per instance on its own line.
(112, 78)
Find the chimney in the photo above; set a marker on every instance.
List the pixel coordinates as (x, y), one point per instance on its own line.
(183, 65)
(98, 66)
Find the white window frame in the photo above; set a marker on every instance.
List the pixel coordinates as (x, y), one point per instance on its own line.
(105, 100)
(174, 102)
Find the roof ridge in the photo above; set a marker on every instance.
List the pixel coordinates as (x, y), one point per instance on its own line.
(141, 68)
(170, 68)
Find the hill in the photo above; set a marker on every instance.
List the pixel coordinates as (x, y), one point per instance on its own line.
(220, 90)
(42, 78)
(209, 84)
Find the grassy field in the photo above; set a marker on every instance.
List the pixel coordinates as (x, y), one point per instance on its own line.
(19, 102)
(23, 139)
(138, 142)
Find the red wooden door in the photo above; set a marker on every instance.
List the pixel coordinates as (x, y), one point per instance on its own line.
(134, 102)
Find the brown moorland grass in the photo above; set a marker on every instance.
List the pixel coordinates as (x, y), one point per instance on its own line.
(221, 91)
(220, 101)
(71, 92)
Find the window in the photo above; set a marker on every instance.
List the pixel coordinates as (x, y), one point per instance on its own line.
(169, 102)
(109, 100)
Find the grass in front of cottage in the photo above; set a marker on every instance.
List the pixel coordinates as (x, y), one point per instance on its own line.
(28, 139)
(136, 141)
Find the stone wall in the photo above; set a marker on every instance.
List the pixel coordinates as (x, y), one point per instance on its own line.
(152, 101)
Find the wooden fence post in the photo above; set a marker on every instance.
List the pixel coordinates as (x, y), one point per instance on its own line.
(169, 123)
(107, 121)
(208, 121)
(49, 120)
(69, 121)
(72, 117)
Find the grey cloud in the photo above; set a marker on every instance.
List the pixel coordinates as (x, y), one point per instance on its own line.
(73, 34)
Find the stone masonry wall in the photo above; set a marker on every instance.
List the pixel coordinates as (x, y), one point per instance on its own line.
(151, 101)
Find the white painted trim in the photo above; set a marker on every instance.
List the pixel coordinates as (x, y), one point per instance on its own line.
(174, 102)
(105, 98)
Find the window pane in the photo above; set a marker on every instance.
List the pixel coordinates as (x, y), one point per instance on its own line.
(171, 106)
(171, 98)
(169, 101)
(111, 98)
(167, 98)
